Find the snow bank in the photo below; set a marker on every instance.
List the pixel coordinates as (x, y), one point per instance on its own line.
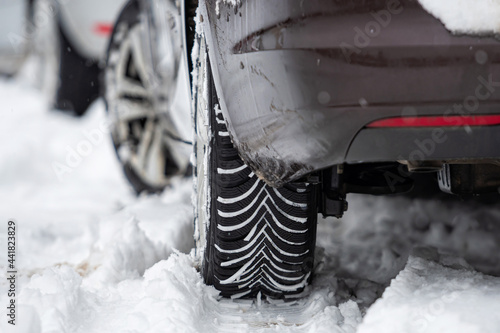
(171, 297)
(137, 237)
(436, 296)
(466, 16)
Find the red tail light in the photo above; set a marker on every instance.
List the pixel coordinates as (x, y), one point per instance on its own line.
(103, 29)
(438, 121)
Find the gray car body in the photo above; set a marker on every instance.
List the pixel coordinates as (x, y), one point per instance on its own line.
(298, 97)
(79, 20)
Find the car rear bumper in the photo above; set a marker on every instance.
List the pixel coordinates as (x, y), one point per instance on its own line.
(425, 144)
(300, 82)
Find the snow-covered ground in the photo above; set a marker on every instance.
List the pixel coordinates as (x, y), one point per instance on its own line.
(91, 257)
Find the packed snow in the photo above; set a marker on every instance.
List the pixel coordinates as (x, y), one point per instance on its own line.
(233, 3)
(428, 296)
(92, 257)
(466, 16)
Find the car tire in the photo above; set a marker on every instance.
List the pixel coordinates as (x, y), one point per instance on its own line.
(79, 78)
(253, 240)
(69, 80)
(142, 136)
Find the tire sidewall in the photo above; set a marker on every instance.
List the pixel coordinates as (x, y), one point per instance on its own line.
(202, 149)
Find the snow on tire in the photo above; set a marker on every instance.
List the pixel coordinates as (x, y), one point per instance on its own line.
(255, 240)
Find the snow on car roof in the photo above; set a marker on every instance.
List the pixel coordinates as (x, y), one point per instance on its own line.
(466, 16)
(459, 16)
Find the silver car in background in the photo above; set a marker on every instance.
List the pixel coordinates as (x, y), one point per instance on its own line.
(13, 48)
(82, 30)
(67, 42)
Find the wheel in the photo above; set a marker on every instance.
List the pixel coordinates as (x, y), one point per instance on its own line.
(144, 132)
(253, 240)
(78, 78)
(69, 80)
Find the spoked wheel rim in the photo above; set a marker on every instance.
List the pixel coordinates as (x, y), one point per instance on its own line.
(136, 126)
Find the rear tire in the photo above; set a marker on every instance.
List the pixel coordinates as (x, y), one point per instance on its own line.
(253, 239)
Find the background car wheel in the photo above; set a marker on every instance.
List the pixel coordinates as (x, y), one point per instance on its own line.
(253, 239)
(79, 78)
(145, 138)
(69, 80)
